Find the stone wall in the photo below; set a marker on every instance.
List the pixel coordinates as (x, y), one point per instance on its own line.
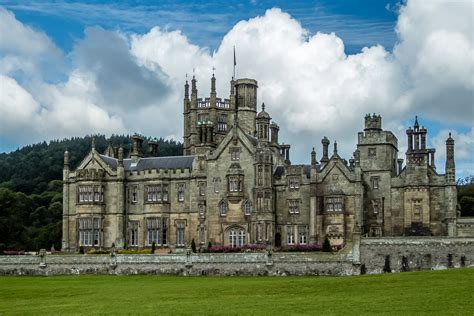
(378, 255)
(181, 264)
(366, 255)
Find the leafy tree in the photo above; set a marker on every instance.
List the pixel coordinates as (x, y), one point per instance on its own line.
(466, 196)
(31, 187)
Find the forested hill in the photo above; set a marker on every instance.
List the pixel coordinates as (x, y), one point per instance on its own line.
(30, 168)
(31, 187)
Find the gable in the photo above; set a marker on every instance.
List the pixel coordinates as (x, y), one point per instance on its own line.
(94, 161)
(235, 137)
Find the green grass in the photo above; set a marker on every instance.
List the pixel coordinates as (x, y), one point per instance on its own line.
(432, 292)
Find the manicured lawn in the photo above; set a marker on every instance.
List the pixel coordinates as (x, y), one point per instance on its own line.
(433, 292)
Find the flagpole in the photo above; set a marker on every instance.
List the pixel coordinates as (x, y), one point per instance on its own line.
(235, 63)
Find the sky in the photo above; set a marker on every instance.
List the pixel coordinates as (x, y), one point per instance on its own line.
(76, 68)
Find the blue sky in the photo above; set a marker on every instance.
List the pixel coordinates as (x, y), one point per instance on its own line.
(75, 68)
(206, 22)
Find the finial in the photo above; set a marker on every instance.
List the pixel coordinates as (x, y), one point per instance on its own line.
(194, 72)
(335, 147)
(313, 148)
(93, 143)
(449, 134)
(263, 106)
(213, 69)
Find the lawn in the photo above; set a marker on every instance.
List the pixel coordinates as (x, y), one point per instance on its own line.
(433, 292)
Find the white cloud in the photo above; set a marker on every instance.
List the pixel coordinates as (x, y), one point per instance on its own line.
(311, 87)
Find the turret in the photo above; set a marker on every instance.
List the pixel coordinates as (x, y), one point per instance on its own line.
(325, 142)
(263, 122)
(450, 165)
(246, 103)
(373, 122)
(313, 158)
(110, 151)
(120, 157)
(136, 152)
(153, 147)
(274, 128)
(186, 91)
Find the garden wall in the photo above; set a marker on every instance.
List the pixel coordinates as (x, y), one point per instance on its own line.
(378, 255)
(181, 264)
(366, 255)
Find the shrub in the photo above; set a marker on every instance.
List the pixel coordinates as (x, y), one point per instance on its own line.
(228, 249)
(153, 247)
(98, 252)
(133, 251)
(300, 248)
(193, 246)
(327, 245)
(81, 250)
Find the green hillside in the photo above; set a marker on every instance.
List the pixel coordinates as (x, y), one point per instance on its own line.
(31, 188)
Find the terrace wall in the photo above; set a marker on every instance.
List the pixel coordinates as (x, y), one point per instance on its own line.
(368, 255)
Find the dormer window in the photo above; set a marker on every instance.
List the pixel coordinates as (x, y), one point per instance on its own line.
(235, 154)
(294, 183)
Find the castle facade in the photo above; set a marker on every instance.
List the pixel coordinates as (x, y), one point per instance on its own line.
(235, 185)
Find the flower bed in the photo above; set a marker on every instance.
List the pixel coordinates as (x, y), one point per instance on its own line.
(228, 249)
(299, 248)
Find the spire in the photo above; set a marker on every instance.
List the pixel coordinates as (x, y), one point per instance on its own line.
(313, 157)
(235, 64)
(213, 81)
(416, 126)
(263, 106)
(193, 84)
(186, 88)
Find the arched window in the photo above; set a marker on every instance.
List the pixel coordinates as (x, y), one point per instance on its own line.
(223, 208)
(247, 207)
(236, 237)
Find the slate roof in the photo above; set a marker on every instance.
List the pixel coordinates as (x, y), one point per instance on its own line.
(252, 139)
(174, 162)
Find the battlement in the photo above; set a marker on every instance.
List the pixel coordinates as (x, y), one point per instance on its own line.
(384, 137)
(373, 122)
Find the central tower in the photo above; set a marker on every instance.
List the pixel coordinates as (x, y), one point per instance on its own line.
(246, 103)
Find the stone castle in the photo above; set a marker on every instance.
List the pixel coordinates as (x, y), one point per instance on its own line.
(235, 185)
